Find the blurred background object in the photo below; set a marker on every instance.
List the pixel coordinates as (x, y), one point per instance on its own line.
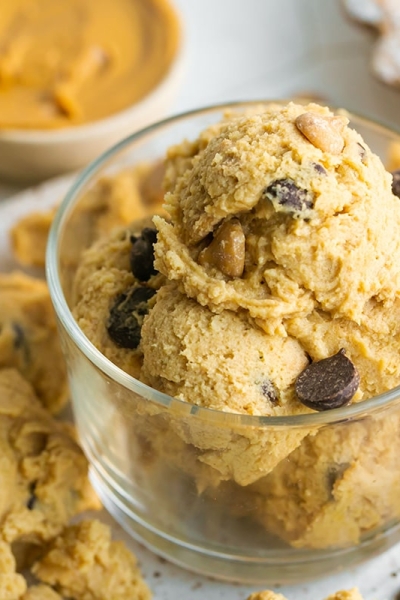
(385, 16)
(247, 49)
(75, 61)
(77, 76)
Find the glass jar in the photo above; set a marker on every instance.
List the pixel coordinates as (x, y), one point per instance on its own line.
(327, 494)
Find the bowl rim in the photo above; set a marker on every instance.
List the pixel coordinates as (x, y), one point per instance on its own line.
(101, 126)
(64, 314)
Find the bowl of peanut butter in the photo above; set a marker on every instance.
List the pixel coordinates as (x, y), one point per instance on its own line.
(77, 75)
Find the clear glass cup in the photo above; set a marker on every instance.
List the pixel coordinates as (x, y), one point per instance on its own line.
(330, 502)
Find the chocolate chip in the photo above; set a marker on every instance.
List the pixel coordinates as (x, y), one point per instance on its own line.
(142, 254)
(362, 150)
(334, 473)
(319, 168)
(19, 338)
(269, 391)
(32, 497)
(21, 343)
(286, 196)
(328, 383)
(396, 183)
(126, 316)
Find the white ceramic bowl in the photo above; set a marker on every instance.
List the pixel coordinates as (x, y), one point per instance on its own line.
(28, 156)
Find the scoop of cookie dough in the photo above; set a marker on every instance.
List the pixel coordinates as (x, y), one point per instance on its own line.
(85, 564)
(221, 361)
(336, 476)
(28, 337)
(113, 201)
(305, 197)
(296, 197)
(283, 234)
(43, 474)
(107, 295)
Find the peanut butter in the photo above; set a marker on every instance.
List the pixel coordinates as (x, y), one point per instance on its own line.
(74, 61)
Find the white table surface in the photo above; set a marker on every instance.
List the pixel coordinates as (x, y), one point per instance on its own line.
(246, 49)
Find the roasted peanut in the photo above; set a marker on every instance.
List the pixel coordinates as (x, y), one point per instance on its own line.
(227, 250)
(323, 132)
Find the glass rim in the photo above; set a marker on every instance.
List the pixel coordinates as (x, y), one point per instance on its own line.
(64, 314)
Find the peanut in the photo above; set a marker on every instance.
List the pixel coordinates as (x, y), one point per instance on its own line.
(323, 132)
(227, 250)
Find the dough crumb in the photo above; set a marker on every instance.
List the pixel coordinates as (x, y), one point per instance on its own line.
(85, 564)
(352, 594)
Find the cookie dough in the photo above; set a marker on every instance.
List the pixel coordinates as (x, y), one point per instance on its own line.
(112, 202)
(12, 584)
(85, 564)
(310, 215)
(336, 476)
(221, 361)
(352, 594)
(104, 274)
(393, 158)
(29, 238)
(43, 472)
(290, 198)
(28, 337)
(290, 193)
(282, 248)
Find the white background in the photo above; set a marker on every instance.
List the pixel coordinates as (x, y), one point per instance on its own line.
(253, 49)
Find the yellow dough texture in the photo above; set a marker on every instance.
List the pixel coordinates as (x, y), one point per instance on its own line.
(28, 337)
(281, 248)
(85, 564)
(43, 472)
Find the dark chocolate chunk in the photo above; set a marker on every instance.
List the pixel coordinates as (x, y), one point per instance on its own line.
(269, 391)
(30, 504)
(396, 183)
(286, 196)
(319, 168)
(328, 383)
(142, 254)
(126, 316)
